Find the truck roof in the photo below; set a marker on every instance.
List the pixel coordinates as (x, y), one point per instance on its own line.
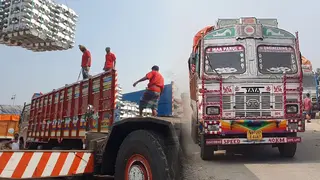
(227, 23)
(10, 109)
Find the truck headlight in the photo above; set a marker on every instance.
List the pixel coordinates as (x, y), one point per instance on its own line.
(213, 110)
(293, 126)
(292, 108)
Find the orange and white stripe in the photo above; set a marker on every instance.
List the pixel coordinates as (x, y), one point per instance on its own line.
(40, 164)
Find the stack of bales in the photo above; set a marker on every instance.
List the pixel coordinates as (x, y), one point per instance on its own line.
(126, 109)
(118, 102)
(37, 25)
(131, 109)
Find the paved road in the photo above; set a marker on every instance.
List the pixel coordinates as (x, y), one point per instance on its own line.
(262, 163)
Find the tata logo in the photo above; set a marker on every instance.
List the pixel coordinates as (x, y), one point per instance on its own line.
(253, 103)
(253, 89)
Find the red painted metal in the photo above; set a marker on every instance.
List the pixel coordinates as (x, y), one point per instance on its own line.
(95, 98)
(79, 113)
(71, 125)
(285, 95)
(65, 111)
(59, 113)
(38, 117)
(113, 93)
(108, 101)
(220, 83)
(48, 115)
(90, 102)
(33, 117)
(100, 103)
(52, 112)
(301, 73)
(202, 81)
(42, 117)
(297, 90)
(204, 91)
(70, 102)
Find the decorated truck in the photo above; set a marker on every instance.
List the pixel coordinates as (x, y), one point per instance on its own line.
(310, 84)
(246, 86)
(72, 132)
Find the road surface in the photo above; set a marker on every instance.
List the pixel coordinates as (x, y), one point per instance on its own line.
(262, 163)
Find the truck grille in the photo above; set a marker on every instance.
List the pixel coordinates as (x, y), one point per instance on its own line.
(249, 105)
(226, 100)
(253, 104)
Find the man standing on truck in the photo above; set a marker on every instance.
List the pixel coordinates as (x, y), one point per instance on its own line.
(152, 94)
(110, 60)
(307, 105)
(86, 61)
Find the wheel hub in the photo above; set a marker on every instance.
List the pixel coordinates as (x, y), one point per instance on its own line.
(136, 172)
(138, 168)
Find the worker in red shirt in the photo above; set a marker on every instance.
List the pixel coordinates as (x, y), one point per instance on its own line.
(86, 61)
(307, 107)
(152, 94)
(110, 60)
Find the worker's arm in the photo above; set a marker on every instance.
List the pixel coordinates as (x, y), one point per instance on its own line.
(140, 80)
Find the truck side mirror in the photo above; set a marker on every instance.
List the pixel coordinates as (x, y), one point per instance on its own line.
(193, 58)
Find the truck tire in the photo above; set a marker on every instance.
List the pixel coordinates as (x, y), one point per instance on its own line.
(194, 130)
(287, 150)
(141, 154)
(206, 152)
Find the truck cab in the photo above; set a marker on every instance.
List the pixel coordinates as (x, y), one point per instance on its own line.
(246, 86)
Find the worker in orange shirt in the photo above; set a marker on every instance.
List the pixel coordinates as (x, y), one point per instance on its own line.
(151, 96)
(86, 61)
(110, 60)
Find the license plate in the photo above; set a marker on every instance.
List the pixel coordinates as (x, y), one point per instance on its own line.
(254, 135)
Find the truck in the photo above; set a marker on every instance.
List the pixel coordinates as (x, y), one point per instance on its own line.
(310, 85)
(246, 86)
(72, 132)
(9, 121)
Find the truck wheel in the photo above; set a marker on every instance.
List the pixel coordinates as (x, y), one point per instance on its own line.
(194, 131)
(287, 150)
(206, 151)
(141, 156)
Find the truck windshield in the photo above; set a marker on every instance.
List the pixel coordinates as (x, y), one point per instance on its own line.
(276, 60)
(225, 60)
(309, 81)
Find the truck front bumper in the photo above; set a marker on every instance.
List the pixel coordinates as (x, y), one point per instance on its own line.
(265, 140)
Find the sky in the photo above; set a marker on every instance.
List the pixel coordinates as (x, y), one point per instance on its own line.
(143, 33)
